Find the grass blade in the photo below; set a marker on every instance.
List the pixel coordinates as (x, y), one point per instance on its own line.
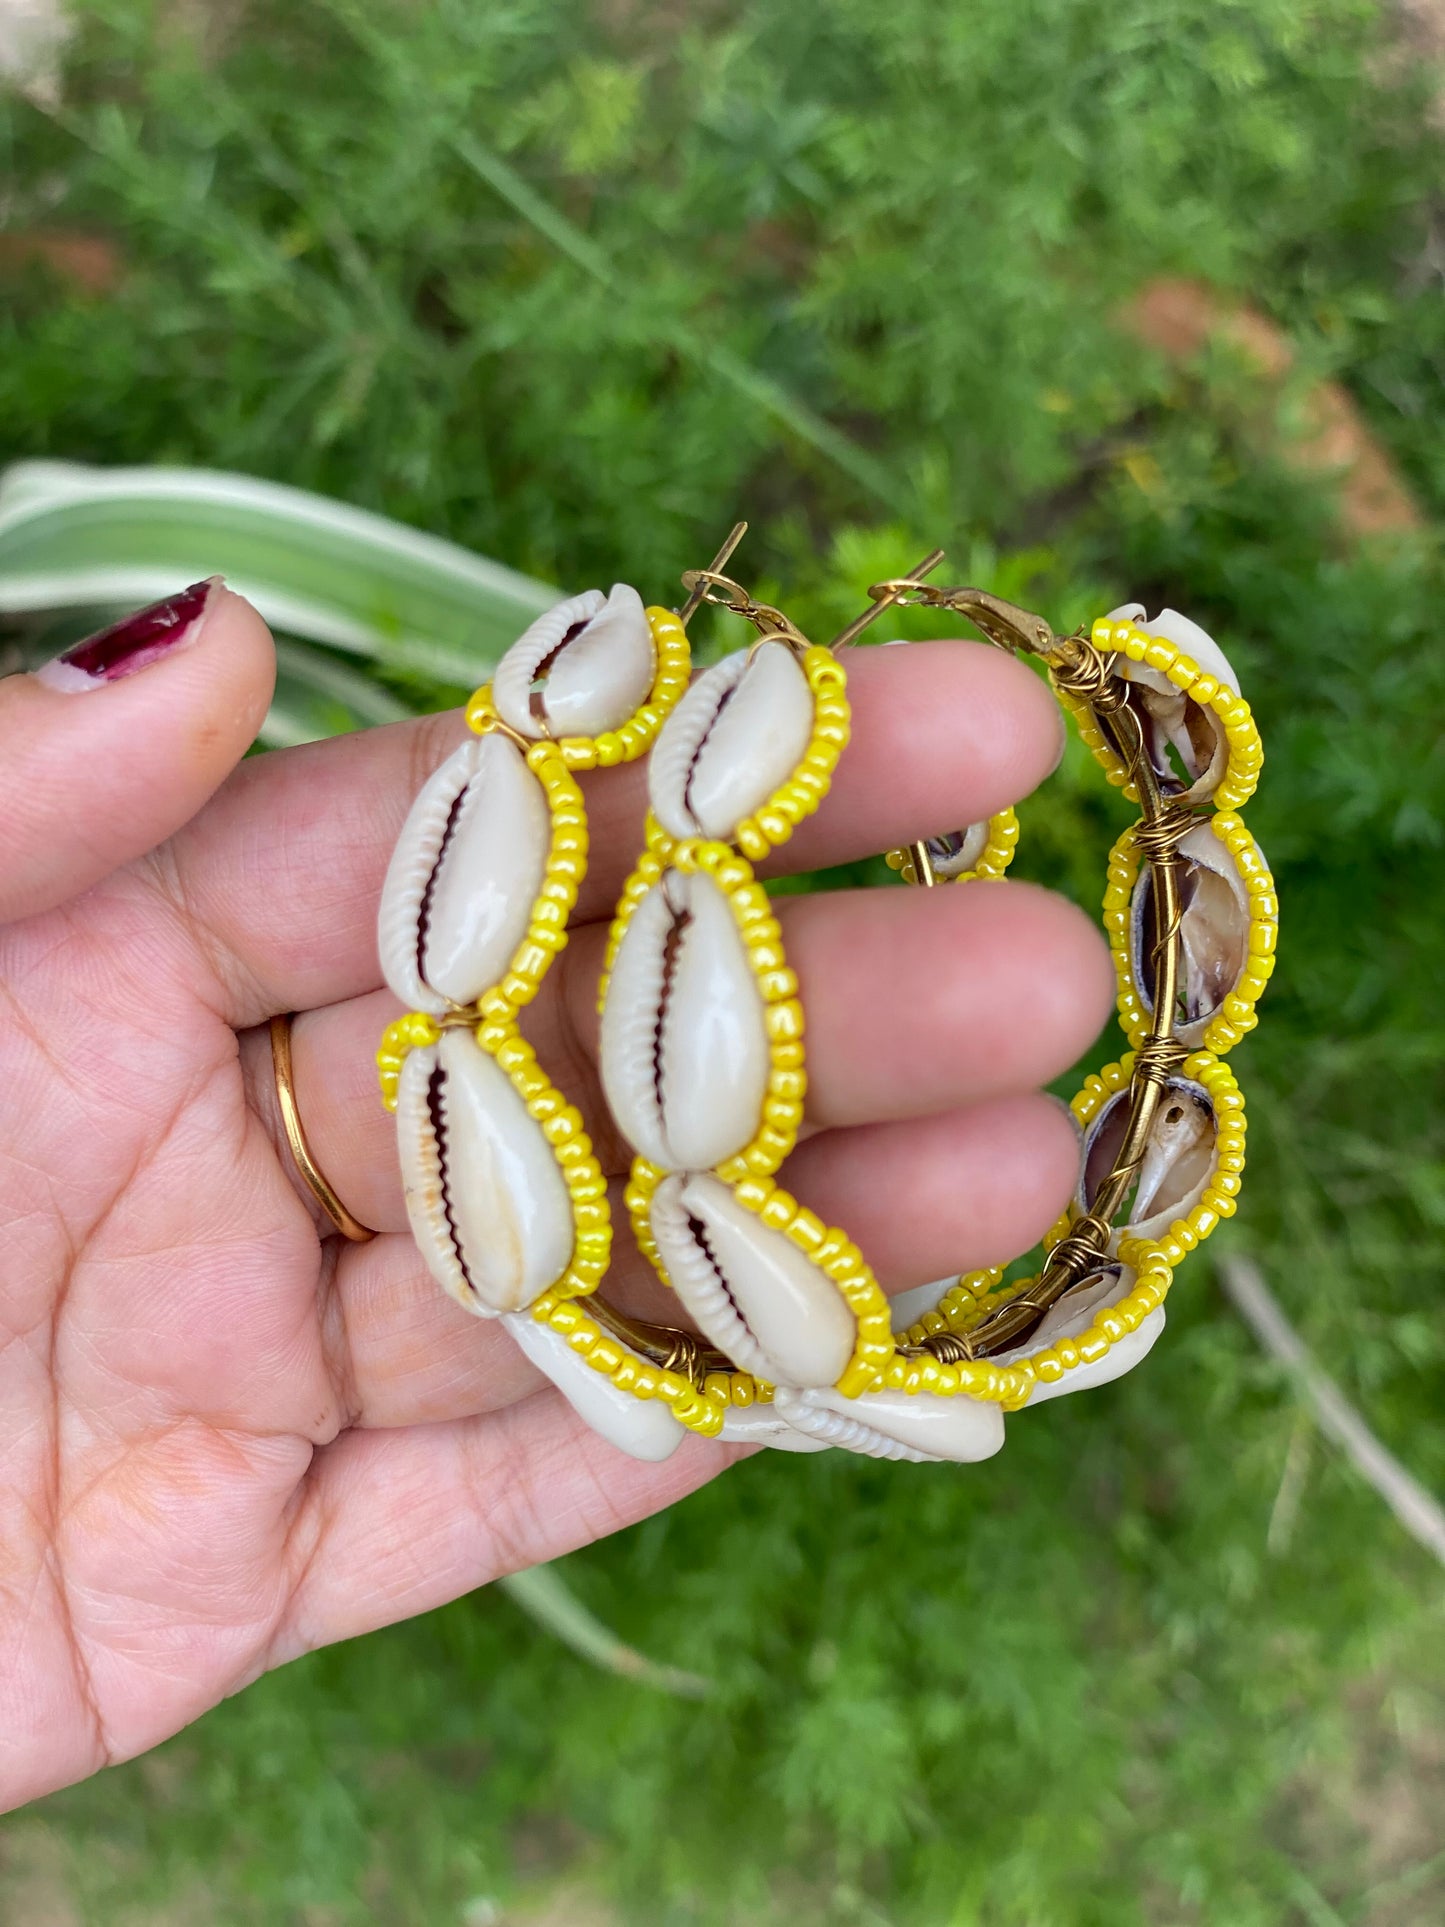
(759, 389)
(544, 1596)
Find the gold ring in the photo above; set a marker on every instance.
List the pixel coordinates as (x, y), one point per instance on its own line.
(348, 1226)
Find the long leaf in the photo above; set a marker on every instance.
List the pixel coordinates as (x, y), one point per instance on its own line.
(544, 1595)
(73, 536)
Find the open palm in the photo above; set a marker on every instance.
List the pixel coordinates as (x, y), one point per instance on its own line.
(229, 1435)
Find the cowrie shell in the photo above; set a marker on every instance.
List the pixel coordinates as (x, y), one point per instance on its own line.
(1214, 933)
(488, 1206)
(583, 667)
(1171, 720)
(465, 872)
(738, 733)
(749, 1288)
(760, 1425)
(1071, 1316)
(958, 851)
(642, 1428)
(1180, 1157)
(684, 1054)
(897, 1425)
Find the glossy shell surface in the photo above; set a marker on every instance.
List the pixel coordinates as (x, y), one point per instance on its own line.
(1214, 933)
(463, 877)
(761, 1425)
(488, 1206)
(738, 733)
(582, 668)
(642, 1428)
(685, 1058)
(749, 1288)
(1179, 1158)
(897, 1425)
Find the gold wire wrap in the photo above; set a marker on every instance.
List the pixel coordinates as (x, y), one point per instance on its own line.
(1237, 1015)
(980, 1316)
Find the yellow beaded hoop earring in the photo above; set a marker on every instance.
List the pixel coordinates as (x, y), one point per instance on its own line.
(1192, 919)
(703, 1057)
(780, 1359)
(506, 1199)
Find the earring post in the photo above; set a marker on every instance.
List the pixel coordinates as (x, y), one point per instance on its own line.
(875, 609)
(715, 567)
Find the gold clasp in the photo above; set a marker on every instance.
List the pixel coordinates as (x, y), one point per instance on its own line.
(1004, 624)
(712, 586)
(882, 595)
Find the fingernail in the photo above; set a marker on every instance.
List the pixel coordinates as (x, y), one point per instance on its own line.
(133, 643)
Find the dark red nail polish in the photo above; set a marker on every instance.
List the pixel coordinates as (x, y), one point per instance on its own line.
(132, 643)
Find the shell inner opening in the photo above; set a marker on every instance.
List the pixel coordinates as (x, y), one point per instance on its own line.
(1180, 735)
(1215, 949)
(537, 694)
(428, 895)
(1178, 1160)
(436, 1110)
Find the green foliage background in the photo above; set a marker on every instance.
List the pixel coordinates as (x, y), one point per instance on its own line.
(575, 285)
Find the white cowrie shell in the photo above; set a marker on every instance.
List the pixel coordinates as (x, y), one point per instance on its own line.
(1180, 1157)
(1214, 932)
(958, 851)
(488, 1206)
(1171, 719)
(918, 1426)
(760, 1425)
(739, 732)
(1071, 1316)
(750, 1289)
(463, 877)
(596, 660)
(642, 1428)
(684, 1042)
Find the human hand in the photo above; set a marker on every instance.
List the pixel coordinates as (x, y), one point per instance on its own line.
(230, 1435)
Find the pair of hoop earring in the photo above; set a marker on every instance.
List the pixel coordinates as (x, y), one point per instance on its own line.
(792, 1342)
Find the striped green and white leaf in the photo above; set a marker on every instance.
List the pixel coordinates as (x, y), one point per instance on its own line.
(77, 541)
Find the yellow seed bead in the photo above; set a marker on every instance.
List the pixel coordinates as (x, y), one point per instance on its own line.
(777, 984)
(784, 1021)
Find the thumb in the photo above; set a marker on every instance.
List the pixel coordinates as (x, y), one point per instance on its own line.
(110, 748)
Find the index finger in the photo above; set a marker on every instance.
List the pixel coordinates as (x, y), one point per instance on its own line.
(282, 871)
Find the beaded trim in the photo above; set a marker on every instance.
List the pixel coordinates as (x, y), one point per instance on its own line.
(626, 743)
(493, 1017)
(997, 854)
